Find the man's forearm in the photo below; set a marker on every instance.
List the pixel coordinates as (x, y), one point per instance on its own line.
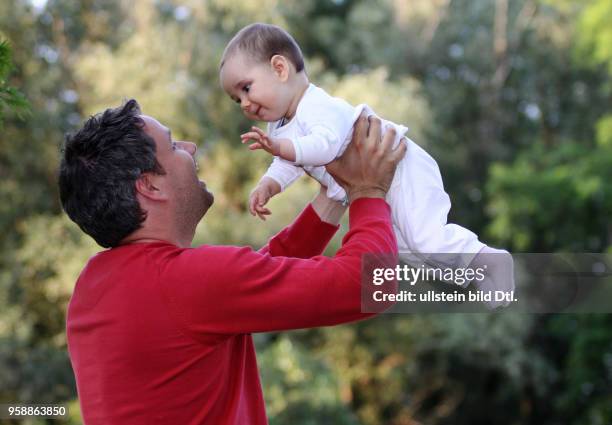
(328, 210)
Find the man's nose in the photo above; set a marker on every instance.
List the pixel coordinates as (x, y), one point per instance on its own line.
(188, 146)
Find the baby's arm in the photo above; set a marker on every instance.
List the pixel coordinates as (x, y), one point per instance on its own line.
(284, 172)
(319, 147)
(279, 176)
(275, 146)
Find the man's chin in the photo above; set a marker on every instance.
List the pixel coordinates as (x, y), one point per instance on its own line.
(209, 198)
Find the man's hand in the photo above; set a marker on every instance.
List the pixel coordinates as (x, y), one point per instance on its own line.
(261, 141)
(367, 166)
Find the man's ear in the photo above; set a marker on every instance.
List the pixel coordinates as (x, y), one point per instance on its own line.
(151, 186)
(281, 67)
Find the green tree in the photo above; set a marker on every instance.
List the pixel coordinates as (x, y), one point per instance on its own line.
(556, 194)
(10, 98)
(511, 98)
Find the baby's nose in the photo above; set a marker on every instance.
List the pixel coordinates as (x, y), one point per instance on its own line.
(249, 108)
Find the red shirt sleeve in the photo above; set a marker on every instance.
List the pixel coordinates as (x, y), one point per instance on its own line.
(231, 290)
(306, 237)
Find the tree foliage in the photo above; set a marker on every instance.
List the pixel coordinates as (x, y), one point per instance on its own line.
(10, 98)
(512, 98)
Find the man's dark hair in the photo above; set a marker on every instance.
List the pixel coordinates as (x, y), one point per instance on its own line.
(99, 168)
(262, 41)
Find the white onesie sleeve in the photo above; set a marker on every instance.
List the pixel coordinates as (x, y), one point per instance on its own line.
(325, 123)
(320, 147)
(283, 172)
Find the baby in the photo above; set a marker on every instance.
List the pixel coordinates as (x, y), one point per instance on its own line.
(262, 69)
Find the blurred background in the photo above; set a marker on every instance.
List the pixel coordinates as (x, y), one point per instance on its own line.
(512, 97)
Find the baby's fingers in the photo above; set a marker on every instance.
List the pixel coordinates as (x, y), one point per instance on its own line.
(250, 135)
(258, 131)
(253, 201)
(262, 212)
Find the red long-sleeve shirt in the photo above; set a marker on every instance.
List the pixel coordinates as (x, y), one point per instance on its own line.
(161, 335)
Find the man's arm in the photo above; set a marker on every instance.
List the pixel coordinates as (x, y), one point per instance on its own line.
(327, 209)
(230, 290)
(310, 233)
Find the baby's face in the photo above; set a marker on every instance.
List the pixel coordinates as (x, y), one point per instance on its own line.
(256, 87)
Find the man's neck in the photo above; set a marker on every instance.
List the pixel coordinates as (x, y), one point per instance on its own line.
(150, 233)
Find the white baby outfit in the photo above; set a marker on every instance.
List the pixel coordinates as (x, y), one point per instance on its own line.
(321, 130)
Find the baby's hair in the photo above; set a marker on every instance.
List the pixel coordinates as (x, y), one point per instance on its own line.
(261, 42)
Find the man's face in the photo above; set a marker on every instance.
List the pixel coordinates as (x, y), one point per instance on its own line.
(187, 194)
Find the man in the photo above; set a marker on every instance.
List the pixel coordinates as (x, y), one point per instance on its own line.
(158, 332)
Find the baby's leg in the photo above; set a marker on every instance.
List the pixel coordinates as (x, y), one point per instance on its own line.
(420, 207)
(499, 275)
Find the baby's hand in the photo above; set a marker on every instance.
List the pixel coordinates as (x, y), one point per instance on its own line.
(261, 141)
(260, 196)
(257, 200)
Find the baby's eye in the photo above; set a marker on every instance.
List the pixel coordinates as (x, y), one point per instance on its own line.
(246, 88)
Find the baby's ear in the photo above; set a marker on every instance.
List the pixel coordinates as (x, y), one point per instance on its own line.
(281, 67)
